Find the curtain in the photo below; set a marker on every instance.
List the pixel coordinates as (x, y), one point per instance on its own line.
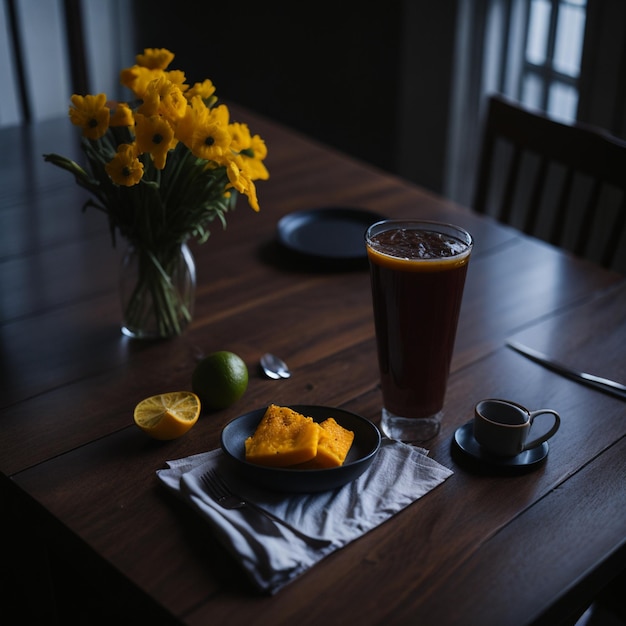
(489, 45)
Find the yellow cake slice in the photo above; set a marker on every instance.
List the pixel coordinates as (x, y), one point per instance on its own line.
(333, 446)
(283, 437)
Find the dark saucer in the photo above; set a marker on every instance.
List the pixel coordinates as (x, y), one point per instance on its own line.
(464, 440)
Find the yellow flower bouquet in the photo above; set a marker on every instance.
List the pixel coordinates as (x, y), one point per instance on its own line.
(162, 167)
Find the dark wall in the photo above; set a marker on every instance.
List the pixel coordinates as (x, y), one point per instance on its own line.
(329, 69)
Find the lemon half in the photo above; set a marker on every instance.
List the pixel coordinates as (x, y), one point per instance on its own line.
(168, 415)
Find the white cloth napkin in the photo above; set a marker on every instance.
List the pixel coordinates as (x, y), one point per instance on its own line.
(270, 553)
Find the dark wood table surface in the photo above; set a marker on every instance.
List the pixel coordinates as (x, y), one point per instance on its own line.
(90, 527)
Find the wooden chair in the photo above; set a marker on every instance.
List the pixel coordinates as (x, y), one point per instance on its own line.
(565, 184)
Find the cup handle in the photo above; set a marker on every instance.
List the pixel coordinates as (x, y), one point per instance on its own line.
(557, 422)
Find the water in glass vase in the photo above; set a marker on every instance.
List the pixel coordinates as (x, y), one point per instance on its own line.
(157, 291)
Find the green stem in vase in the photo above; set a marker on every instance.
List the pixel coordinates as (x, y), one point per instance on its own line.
(159, 304)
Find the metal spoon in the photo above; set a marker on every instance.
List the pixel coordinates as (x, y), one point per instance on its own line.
(274, 367)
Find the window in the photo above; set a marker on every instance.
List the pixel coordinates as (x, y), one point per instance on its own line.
(552, 55)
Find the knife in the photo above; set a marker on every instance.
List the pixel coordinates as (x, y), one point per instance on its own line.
(601, 384)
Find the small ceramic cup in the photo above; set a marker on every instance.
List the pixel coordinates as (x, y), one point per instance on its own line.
(502, 427)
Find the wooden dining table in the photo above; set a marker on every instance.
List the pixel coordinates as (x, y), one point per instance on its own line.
(91, 536)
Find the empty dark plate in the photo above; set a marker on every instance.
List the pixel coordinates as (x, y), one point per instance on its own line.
(334, 234)
(362, 452)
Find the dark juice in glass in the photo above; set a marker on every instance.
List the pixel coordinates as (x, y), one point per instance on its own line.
(417, 273)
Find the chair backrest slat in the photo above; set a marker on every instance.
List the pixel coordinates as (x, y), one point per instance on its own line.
(560, 215)
(506, 207)
(532, 213)
(588, 219)
(616, 235)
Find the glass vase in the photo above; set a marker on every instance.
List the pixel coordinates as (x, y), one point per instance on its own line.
(158, 290)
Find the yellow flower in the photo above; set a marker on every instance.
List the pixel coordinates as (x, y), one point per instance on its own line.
(138, 78)
(155, 136)
(178, 78)
(220, 114)
(155, 58)
(125, 168)
(162, 97)
(251, 149)
(91, 114)
(253, 157)
(240, 134)
(205, 90)
(210, 139)
(122, 115)
(195, 114)
(240, 181)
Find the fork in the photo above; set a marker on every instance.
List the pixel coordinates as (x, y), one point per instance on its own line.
(219, 491)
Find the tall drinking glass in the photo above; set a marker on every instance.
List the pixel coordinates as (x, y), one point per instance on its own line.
(417, 271)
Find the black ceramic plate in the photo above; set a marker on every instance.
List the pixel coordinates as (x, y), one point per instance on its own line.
(362, 452)
(464, 439)
(329, 234)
